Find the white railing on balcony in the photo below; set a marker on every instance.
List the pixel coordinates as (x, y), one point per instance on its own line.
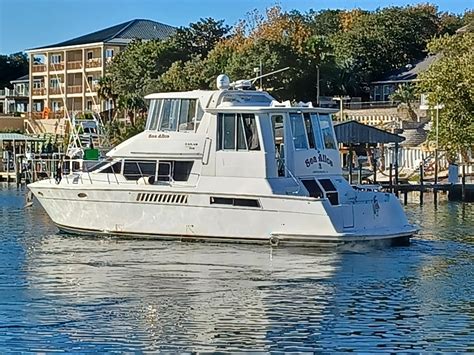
(13, 92)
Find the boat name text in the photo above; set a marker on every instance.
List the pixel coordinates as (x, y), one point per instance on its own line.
(320, 158)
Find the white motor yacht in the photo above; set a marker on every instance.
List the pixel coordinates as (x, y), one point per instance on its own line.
(226, 165)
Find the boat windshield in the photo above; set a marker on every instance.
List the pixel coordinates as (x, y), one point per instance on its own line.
(327, 132)
(182, 115)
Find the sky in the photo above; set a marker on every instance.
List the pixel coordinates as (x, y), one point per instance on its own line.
(26, 24)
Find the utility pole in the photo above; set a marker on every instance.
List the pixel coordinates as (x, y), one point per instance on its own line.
(317, 85)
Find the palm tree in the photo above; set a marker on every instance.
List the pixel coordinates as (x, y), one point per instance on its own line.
(406, 95)
(105, 90)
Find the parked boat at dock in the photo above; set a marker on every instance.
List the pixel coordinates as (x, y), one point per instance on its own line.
(226, 165)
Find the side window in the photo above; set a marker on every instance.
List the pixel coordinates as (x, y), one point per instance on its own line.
(187, 115)
(114, 168)
(169, 115)
(251, 132)
(174, 170)
(327, 132)
(135, 169)
(317, 131)
(154, 114)
(228, 131)
(237, 132)
(164, 171)
(298, 131)
(309, 130)
(182, 170)
(181, 115)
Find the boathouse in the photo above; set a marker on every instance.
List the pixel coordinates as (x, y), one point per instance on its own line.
(353, 135)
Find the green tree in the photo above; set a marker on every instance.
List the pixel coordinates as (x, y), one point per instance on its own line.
(372, 44)
(12, 66)
(199, 38)
(450, 82)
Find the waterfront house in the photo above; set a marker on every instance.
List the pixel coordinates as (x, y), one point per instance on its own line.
(65, 75)
(15, 101)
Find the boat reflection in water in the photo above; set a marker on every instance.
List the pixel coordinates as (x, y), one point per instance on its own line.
(135, 293)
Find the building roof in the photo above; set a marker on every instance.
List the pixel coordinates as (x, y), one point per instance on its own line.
(17, 137)
(353, 132)
(407, 73)
(121, 34)
(25, 77)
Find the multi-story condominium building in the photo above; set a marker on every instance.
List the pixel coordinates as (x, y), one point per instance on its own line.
(64, 76)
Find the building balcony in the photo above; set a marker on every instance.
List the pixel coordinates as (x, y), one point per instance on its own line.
(56, 66)
(94, 63)
(38, 68)
(39, 91)
(74, 65)
(55, 91)
(74, 89)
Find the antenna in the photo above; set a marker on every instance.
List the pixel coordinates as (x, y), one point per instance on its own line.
(253, 80)
(247, 83)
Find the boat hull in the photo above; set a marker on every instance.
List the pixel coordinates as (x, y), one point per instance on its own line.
(278, 220)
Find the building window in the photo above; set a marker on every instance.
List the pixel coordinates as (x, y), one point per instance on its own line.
(56, 58)
(89, 105)
(90, 55)
(109, 53)
(56, 105)
(54, 83)
(387, 90)
(377, 93)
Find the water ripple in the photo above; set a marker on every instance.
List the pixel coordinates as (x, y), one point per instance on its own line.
(80, 294)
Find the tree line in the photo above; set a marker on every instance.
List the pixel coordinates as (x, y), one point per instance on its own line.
(349, 48)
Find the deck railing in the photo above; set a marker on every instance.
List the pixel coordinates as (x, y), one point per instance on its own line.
(93, 63)
(74, 89)
(38, 68)
(56, 66)
(39, 91)
(76, 64)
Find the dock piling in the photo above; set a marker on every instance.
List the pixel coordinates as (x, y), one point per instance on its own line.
(421, 184)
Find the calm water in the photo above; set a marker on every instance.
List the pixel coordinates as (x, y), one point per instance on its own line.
(59, 292)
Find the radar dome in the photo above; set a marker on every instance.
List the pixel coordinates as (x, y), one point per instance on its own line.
(223, 82)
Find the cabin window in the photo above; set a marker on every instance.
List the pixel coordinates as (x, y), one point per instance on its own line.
(169, 115)
(239, 202)
(298, 131)
(136, 169)
(187, 116)
(113, 169)
(228, 131)
(182, 170)
(181, 115)
(309, 130)
(164, 170)
(154, 114)
(317, 131)
(327, 132)
(174, 170)
(237, 132)
(279, 140)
